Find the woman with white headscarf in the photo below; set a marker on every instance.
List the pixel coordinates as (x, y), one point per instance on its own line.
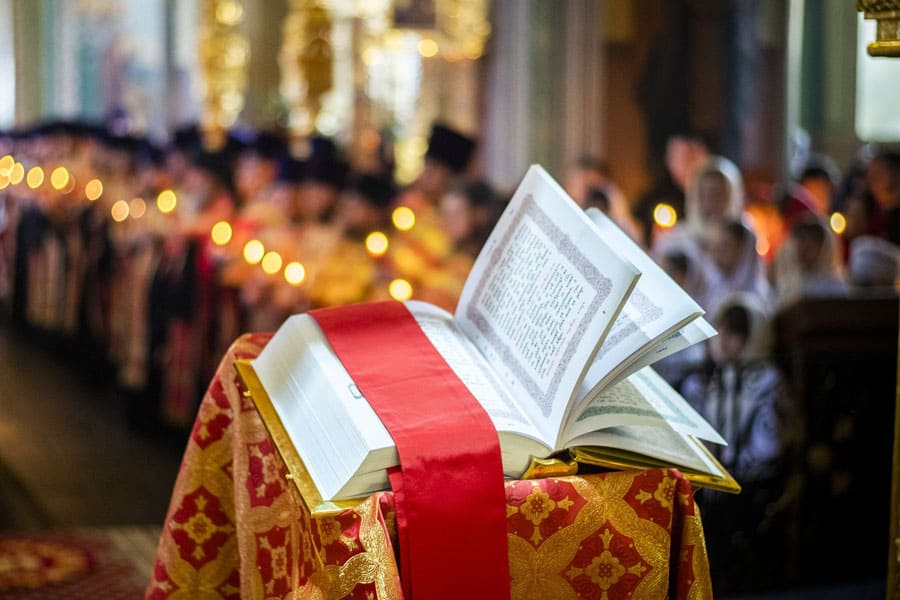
(874, 263)
(808, 265)
(732, 250)
(714, 195)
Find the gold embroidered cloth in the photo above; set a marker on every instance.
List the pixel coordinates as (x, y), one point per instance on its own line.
(236, 527)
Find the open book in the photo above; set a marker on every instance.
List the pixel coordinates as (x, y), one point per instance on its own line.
(553, 334)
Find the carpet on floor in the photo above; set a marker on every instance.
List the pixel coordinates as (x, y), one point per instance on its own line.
(76, 564)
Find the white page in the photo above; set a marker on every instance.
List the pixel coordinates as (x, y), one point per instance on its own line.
(657, 308)
(698, 330)
(541, 295)
(462, 356)
(644, 398)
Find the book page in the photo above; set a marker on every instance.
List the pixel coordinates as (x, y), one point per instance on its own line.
(659, 443)
(443, 332)
(644, 398)
(657, 308)
(541, 296)
(698, 330)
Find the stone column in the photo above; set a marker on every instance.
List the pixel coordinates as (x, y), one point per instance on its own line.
(544, 86)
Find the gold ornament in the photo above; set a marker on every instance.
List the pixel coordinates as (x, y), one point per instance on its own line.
(223, 56)
(887, 15)
(307, 62)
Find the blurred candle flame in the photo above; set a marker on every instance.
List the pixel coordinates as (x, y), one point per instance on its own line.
(59, 178)
(400, 289)
(403, 218)
(35, 177)
(271, 262)
(665, 216)
(838, 223)
(376, 243)
(93, 189)
(254, 251)
(119, 211)
(294, 273)
(221, 233)
(166, 201)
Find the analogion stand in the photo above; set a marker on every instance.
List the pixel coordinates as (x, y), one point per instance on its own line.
(237, 528)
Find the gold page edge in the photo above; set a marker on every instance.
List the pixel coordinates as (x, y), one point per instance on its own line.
(606, 457)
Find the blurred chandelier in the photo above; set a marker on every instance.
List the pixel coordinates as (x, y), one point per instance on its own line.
(357, 64)
(887, 15)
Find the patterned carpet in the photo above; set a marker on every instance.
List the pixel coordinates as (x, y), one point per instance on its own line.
(76, 564)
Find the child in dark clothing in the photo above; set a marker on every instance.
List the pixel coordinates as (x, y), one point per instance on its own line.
(744, 398)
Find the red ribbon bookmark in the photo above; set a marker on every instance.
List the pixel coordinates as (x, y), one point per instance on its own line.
(448, 492)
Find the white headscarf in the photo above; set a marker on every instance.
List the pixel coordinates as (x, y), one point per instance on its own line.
(701, 280)
(874, 262)
(697, 224)
(759, 338)
(749, 275)
(824, 280)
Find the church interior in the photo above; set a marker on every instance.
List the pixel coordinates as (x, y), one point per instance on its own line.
(178, 177)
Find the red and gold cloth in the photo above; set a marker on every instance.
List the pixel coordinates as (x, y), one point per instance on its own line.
(236, 527)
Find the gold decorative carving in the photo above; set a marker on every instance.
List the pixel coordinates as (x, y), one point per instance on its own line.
(307, 63)
(887, 15)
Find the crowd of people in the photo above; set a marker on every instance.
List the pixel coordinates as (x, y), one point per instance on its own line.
(153, 259)
(748, 258)
(146, 262)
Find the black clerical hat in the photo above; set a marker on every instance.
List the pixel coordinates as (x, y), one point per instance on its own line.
(149, 153)
(121, 143)
(450, 147)
(328, 170)
(268, 145)
(291, 170)
(186, 138)
(217, 164)
(321, 147)
(378, 191)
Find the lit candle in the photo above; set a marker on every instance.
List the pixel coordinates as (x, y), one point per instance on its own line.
(400, 289)
(166, 201)
(59, 178)
(404, 218)
(376, 243)
(664, 216)
(35, 177)
(271, 263)
(294, 273)
(254, 251)
(119, 211)
(93, 189)
(221, 233)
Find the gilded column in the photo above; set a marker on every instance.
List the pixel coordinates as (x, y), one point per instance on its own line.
(223, 55)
